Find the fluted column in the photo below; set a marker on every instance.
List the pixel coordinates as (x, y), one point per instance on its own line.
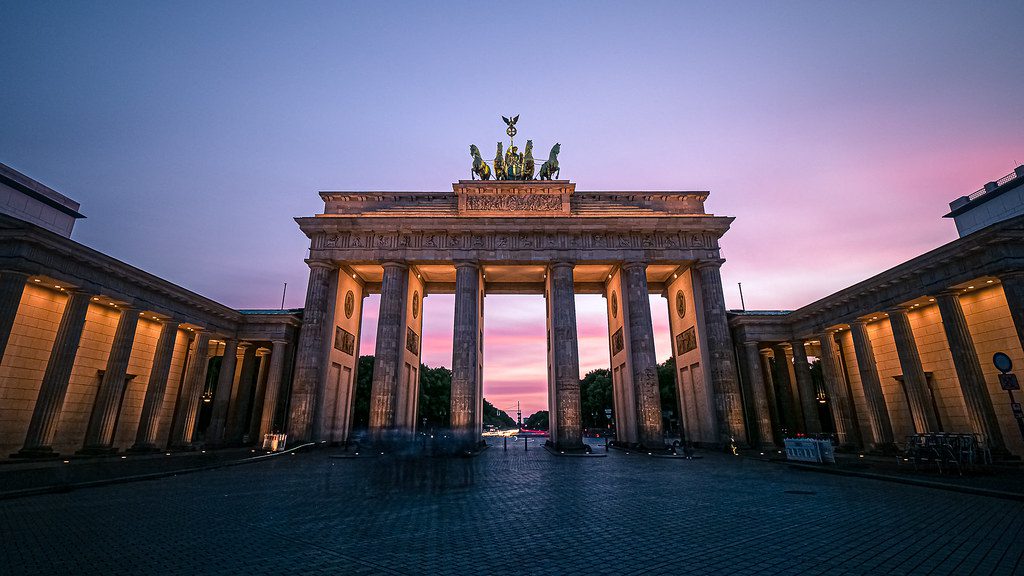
(968, 371)
(1013, 290)
(728, 403)
(914, 379)
(878, 414)
(773, 405)
(187, 411)
(222, 394)
(156, 388)
(241, 395)
(835, 387)
(790, 418)
(643, 362)
(54, 387)
(99, 434)
(261, 391)
(12, 286)
(274, 375)
(759, 399)
(568, 430)
(466, 385)
(388, 355)
(805, 387)
(308, 377)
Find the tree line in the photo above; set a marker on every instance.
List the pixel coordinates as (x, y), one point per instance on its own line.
(435, 399)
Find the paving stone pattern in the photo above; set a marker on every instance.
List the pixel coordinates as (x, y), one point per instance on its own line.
(523, 513)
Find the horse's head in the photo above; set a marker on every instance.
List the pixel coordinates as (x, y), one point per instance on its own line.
(473, 150)
(499, 148)
(556, 148)
(529, 146)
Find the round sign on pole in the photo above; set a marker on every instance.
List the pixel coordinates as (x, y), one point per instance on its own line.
(1002, 362)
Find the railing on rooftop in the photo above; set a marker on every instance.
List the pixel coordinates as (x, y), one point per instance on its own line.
(985, 189)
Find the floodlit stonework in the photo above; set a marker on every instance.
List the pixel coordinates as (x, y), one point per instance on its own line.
(99, 356)
(515, 237)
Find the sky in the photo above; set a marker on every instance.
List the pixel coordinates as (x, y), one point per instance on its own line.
(192, 132)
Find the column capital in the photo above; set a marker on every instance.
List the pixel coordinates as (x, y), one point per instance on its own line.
(897, 310)
(15, 274)
(1010, 275)
(395, 264)
(562, 264)
(715, 263)
(948, 292)
(467, 264)
(321, 264)
(630, 264)
(281, 342)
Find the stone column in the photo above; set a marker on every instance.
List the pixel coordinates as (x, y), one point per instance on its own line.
(1013, 290)
(388, 356)
(261, 392)
(878, 414)
(191, 391)
(54, 387)
(728, 403)
(835, 387)
(643, 362)
(805, 387)
(759, 400)
(241, 395)
(274, 375)
(968, 371)
(12, 286)
(784, 391)
(914, 379)
(149, 421)
(99, 434)
(773, 406)
(222, 394)
(568, 432)
(308, 376)
(466, 386)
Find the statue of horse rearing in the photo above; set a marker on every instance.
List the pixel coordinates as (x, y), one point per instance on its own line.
(549, 169)
(480, 168)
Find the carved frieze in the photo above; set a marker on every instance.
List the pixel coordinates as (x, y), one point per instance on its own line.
(514, 203)
(390, 240)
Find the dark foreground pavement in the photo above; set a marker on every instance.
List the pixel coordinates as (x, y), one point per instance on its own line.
(515, 512)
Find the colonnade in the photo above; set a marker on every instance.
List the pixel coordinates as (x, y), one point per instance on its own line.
(798, 405)
(395, 385)
(107, 407)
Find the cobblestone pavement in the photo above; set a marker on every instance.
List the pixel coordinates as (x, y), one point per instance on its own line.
(515, 512)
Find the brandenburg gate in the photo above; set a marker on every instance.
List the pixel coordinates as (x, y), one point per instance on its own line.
(515, 237)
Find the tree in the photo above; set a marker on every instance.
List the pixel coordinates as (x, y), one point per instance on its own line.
(361, 402)
(495, 417)
(435, 396)
(537, 421)
(596, 397)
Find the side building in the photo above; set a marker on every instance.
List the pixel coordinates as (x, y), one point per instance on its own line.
(97, 356)
(908, 351)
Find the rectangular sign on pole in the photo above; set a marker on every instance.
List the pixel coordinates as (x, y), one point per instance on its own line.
(1009, 382)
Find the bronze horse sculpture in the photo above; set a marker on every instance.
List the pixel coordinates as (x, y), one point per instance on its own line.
(549, 169)
(499, 165)
(528, 161)
(480, 168)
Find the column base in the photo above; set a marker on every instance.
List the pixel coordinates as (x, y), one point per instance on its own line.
(144, 449)
(183, 448)
(37, 453)
(568, 448)
(97, 451)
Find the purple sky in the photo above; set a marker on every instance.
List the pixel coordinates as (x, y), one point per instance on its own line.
(836, 133)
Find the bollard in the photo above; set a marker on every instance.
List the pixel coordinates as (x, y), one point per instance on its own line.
(605, 443)
(526, 444)
(506, 444)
